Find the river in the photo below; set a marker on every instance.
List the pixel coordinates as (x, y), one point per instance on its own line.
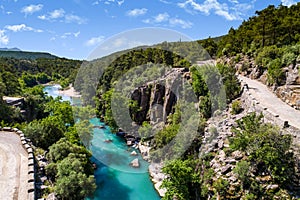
(115, 179)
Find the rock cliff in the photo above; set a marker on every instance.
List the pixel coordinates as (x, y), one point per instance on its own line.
(156, 99)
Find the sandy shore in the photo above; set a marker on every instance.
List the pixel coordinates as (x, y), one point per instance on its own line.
(70, 92)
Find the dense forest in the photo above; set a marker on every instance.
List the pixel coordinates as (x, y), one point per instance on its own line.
(48, 122)
(272, 26)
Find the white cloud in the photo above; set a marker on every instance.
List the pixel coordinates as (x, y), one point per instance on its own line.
(94, 40)
(137, 12)
(42, 17)
(95, 3)
(179, 22)
(56, 13)
(165, 2)
(120, 2)
(3, 38)
(28, 10)
(76, 34)
(108, 2)
(74, 18)
(61, 14)
(288, 2)
(69, 34)
(165, 18)
(21, 27)
(161, 17)
(214, 6)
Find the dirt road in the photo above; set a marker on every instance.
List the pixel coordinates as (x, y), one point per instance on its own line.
(13, 168)
(269, 100)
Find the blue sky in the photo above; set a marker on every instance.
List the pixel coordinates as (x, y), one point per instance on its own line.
(74, 28)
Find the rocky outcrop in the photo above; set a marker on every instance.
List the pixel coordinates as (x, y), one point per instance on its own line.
(142, 96)
(155, 171)
(157, 98)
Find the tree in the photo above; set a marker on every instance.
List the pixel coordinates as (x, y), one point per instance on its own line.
(266, 147)
(63, 110)
(45, 132)
(210, 46)
(62, 148)
(72, 182)
(29, 80)
(181, 181)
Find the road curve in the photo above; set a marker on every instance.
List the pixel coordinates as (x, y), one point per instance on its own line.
(13, 167)
(269, 100)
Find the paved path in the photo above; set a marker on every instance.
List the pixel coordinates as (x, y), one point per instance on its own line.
(269, 100)
(13, 168)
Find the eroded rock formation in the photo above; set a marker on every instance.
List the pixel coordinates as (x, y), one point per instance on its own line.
(156, 99)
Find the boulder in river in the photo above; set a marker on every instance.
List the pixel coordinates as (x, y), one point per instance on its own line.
(135, 163)
(133, 153)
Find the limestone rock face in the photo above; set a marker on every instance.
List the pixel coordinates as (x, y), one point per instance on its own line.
(256, 72)
(142, 96)
(293, 75)
(157, 98)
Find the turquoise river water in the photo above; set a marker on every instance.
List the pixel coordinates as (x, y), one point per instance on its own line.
(115, 178)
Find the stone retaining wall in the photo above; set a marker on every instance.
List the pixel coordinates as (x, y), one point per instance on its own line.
(31, 166)
(253, 105)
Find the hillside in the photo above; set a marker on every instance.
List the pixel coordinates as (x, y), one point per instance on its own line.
(17, 54)
(10, 49)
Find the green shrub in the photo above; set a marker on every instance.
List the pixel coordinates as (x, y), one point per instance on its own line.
(275, 73)
(288, 58)
(266, 55)
(236, 107)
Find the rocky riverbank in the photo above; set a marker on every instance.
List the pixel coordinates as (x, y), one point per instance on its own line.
(155, 169)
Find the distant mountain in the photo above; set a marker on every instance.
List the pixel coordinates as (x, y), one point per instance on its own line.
(18, 54)
(10, 49)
